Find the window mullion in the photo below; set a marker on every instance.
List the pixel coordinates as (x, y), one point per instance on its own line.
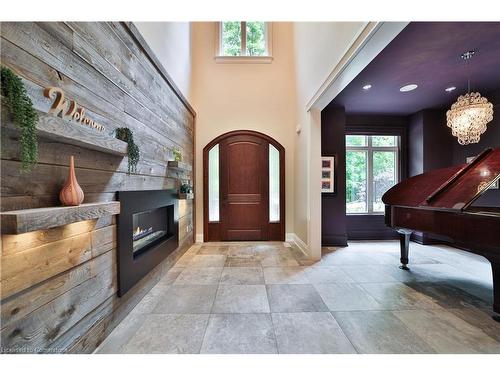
(243, 38)
(370, 176)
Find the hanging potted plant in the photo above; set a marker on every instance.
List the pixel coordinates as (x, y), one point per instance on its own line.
(126, 135)
(186, 191)
(24, 116)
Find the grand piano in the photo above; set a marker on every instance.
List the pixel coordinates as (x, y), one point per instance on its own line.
(440, 202)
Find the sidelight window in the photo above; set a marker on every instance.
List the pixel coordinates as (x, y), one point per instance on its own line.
(372, 168)
(274, 184)
(213, 184)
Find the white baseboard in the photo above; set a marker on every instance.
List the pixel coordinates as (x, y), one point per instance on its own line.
(293, 238)
(199, 238)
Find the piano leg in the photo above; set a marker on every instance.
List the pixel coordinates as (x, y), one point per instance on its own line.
(404, 241)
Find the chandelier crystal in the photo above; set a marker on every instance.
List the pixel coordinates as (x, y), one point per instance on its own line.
(468, 117)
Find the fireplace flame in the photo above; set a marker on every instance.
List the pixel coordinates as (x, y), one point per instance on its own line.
(140, 232)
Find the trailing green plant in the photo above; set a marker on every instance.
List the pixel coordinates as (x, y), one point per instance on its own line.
(23, 114)
(186, 188)
(126, 135)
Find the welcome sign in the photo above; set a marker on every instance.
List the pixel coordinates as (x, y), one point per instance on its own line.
(69, 109)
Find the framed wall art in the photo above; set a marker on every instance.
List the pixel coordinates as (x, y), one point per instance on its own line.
(327, 174)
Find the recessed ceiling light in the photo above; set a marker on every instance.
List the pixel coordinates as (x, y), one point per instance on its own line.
(450, 89)
(367, 87)
(407, 88)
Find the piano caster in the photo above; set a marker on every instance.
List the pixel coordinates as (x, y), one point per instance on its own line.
(404, 267)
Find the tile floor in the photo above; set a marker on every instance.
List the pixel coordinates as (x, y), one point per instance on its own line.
(268, 298)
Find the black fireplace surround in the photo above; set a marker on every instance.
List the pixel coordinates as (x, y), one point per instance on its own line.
(148, 231)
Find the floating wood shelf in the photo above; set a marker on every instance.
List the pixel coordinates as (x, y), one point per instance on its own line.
(179, 165)
(22, 221)
(186, 195)
(65, 131)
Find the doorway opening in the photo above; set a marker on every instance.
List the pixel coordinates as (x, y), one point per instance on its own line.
(244, 188)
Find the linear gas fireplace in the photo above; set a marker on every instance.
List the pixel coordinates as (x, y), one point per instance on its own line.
(147, 233)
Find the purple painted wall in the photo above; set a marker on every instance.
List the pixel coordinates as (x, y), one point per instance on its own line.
(333, 218)
(491, 138)
(430, 142)
(416, 144)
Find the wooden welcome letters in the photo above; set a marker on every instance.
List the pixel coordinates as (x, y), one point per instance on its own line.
(68, 109)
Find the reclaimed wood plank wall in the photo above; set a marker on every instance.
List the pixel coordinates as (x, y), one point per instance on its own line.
(59, 285)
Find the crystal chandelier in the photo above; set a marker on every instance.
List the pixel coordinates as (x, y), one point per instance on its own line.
(469, 115)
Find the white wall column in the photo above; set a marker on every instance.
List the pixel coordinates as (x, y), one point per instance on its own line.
(314, 186)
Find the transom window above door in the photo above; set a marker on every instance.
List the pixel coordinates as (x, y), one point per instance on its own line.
(245, 41)
(372, 168)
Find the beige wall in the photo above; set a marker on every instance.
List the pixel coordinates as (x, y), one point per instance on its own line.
(171, 43)
(270, 98)
(318, 48)
(258, 97)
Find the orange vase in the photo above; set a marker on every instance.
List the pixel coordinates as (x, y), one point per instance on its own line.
(71, 194)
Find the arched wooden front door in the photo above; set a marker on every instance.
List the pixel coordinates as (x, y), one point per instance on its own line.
(244, 188)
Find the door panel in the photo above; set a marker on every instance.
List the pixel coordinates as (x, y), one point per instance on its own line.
(243, 187)
(243, 165)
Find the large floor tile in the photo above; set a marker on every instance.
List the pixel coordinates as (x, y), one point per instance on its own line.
(380, 332)
(187, 299)
(242, 261)
(448, 296)
(368, 274)
(121, 335)
(383, 258)
(199, 276)
(377, 247)
(441, 272)
(295, 298)
(185, 259)
(239, 334)
(242, 276)
(241, 299)
(285, 275)
(277, 260)
(150, 300)
(481, 319)
(482, 289)
(241, 251)
(398, 296)
(445, 305)
(309, 333)
(346, 297)
(327, 275)
(446, 333)
(168, 333)
(171, 275)
(213, 250)
(345, 258)
(411, 275)
(207, 261)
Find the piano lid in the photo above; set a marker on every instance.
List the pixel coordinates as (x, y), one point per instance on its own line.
(455, 187)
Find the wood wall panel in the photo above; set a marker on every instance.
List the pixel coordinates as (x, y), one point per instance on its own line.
(59, 285)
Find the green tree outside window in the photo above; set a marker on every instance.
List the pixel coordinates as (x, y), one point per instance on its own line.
(243, 38)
